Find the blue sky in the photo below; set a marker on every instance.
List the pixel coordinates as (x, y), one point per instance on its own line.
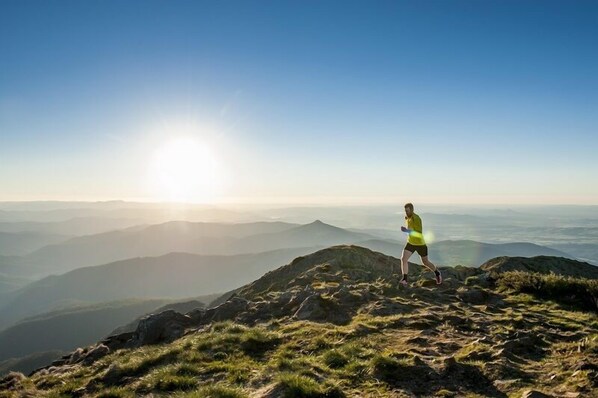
(432, 101)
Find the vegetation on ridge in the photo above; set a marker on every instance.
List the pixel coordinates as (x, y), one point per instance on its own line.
(469, 337)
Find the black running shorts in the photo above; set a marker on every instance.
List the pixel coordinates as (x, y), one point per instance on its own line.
(422, 250)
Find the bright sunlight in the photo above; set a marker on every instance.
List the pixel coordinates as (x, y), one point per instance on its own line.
(184, 170)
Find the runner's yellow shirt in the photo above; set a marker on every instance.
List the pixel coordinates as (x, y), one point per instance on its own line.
(416, 237)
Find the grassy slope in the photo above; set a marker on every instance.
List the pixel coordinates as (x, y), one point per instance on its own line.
(373, 356)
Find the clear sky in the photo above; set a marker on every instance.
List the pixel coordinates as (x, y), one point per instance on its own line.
(431, 101)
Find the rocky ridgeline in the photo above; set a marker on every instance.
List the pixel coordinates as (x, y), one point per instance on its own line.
(333, 285)
(469, 334)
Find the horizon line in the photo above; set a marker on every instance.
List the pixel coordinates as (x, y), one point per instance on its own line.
(290, 201)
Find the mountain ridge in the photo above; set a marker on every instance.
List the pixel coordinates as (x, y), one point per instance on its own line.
(366, 336)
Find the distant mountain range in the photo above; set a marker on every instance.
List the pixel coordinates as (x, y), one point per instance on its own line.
(186, 273)
(465, 252)
(21, 243)
(229, 239)
(73, 227)
(180, 236)
(120, 274)
(583, 251)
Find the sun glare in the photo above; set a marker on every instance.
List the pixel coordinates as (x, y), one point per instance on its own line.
(185, 170)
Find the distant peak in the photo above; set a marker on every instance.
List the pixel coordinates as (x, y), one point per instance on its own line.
(319, 224)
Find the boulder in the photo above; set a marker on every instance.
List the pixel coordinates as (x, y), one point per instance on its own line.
(228, 310)
(96, 353)
(166, 326)
(317, 308)
(473, 296)
(197, 315)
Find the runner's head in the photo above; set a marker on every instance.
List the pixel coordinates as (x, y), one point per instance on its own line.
(409, 209)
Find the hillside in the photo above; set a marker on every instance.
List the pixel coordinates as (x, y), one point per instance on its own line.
(30, 362)
(586, 251)
(334, 324)
(10, 283)
(21, 243)
(22, 347)
(175, 275)
(70, 328)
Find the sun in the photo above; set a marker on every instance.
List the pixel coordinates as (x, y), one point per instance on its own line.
(185, 170)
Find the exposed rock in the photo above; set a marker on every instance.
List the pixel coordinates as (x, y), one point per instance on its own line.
(118, 341)
(158, 328)
(96, 353)
(318, 308)
(11, 381)
(534, 394)
(76, 356)
(228, 310)
(473, 295)
(196, 315)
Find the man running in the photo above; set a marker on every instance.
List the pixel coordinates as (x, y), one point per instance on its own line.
(415, 243)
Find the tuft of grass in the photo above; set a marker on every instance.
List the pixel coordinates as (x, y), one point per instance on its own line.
(116, 392)
(175, 382)
(392, 370)
(577, 292)
(255, 342)
(299, 386)
(335, 359)
(216, 391)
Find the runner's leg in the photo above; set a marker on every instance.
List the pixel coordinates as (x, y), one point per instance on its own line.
(405, 261)
(428, 264)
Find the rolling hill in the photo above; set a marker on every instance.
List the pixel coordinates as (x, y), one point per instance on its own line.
(153, 240)
(64, 330)
(72, 227)
(21, 243)
(69, 328)
(334, 323)
(182, 236)
(175, 275)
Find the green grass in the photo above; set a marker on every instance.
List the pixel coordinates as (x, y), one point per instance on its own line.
(373, 356)
(577, 292)
(298, 386)
(214, 392)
